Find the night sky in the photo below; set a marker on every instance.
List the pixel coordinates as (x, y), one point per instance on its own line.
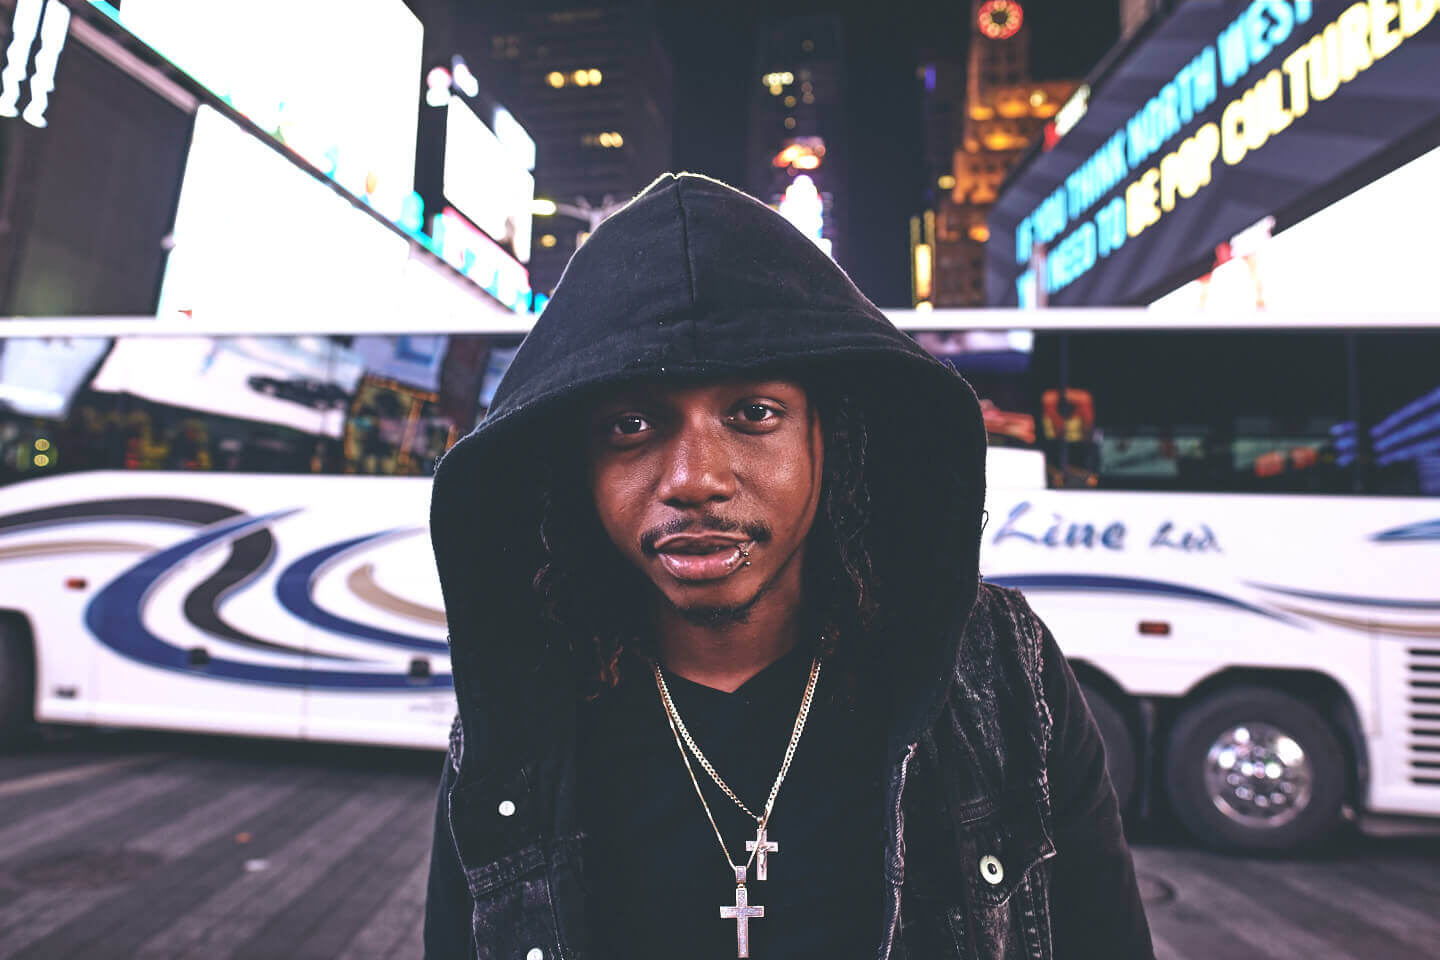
(710, 44)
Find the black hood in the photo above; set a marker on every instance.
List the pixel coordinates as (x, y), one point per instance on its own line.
(694, 278)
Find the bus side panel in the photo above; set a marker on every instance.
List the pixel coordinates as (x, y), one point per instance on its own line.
(1315, 583)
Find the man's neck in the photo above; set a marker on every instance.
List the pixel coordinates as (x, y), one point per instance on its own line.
(724, 657)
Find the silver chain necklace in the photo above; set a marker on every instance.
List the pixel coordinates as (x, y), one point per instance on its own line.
(742, 912)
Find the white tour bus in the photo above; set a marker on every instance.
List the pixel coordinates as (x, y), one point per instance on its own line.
(1232, 527)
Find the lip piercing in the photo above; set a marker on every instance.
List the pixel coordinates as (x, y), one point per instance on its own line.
(745, 556)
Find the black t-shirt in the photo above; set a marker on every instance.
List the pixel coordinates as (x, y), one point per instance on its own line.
(656, 874)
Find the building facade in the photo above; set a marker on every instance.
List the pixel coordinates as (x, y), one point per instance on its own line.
(796, 124)
(592, 85)
(980, 116)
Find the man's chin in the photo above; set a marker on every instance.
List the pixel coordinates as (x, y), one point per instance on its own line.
(713, 613)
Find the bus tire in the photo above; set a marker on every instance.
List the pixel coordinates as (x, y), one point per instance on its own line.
(1254, 770)
(17, 683)
(1120, 753)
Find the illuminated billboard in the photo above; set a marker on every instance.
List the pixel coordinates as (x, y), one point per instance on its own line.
(487, 178)
(1338, 242)
(334, 80)
(1222, 115)
(256, 235)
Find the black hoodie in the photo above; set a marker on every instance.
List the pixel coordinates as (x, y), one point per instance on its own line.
(693, 278)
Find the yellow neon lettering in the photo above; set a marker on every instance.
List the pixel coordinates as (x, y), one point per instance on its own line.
(1355, 55)
(1415, 15)
(1270, 95)
(1170, 175)
(1257, 124)
(1384, 36)
(1140, 198)
(1294, 67)
(1325, 63)
(1232, 133)
(1204, 146)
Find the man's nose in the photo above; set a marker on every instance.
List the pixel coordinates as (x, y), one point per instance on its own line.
(698, 467)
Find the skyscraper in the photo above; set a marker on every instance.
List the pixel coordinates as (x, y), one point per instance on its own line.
(592, 86)
(980, 117)
(796, 145)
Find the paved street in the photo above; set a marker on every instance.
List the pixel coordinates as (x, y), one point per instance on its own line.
(159, 846)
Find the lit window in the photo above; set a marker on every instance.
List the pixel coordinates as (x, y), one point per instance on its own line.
(595, 77)
(789, 101)
(947, 182)
(808, 98)
(548, 240)
(556, 79)
(979, 233)
(789, 123)
(1037, 98)
(581, 78)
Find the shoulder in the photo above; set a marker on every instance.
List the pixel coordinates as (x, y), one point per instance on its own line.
(1002, 620)
(457, 743)
(1004, 661)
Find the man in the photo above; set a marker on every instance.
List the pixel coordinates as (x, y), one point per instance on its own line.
(729, 683)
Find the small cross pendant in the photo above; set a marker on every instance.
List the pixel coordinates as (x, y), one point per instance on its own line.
(742, 913)
(764, 848)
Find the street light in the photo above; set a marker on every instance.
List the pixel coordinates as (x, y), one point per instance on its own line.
(581, 209)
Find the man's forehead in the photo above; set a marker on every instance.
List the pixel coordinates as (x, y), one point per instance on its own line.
(676, 387)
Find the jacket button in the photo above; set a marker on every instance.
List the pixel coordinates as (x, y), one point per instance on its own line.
(507, 809)
(991, 870)
(535, 954)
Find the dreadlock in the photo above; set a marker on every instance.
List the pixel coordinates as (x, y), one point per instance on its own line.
(595, 613)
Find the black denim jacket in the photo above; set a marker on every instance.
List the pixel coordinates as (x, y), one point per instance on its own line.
(1004, 839)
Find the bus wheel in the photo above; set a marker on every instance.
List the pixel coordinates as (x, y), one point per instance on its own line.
(17, 684)
(1119, 744)
(1253, 770)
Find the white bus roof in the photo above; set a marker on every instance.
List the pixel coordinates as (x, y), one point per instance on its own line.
(1116, 318)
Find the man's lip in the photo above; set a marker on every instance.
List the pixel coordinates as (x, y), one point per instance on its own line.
(692, 542)
(699, 567)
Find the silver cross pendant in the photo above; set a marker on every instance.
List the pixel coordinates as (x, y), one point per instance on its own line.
(762, 848)
(742, 913)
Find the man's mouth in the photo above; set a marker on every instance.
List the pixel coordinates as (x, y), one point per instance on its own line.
(700, 558)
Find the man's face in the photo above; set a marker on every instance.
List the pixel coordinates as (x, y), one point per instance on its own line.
(692, 481)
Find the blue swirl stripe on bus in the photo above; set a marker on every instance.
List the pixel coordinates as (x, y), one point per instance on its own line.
(115, 617)
(292, 589)
(1393, 602)
(1410, 532)
(1090, 581)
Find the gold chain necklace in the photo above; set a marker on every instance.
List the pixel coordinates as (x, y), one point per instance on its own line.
(742, 912)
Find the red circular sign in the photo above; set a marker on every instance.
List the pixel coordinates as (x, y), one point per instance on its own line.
(1000, 19)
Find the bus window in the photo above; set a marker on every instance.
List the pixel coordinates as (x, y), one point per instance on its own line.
(416, 396)
(1216, 411)
(1399, 403)
(997, 365)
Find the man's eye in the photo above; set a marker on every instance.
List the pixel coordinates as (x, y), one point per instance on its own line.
(629, 424)
(757, 412)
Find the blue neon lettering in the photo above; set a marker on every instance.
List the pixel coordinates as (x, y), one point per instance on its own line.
(1110, 225)
(1203, 79)
(1257, 43)
(1234, 53)
(1284, 23)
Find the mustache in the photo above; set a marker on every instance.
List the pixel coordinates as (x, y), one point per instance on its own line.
(755, 530)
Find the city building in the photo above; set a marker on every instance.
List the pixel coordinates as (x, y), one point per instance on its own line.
(796, 156)
(980, 116)
(592, 85)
